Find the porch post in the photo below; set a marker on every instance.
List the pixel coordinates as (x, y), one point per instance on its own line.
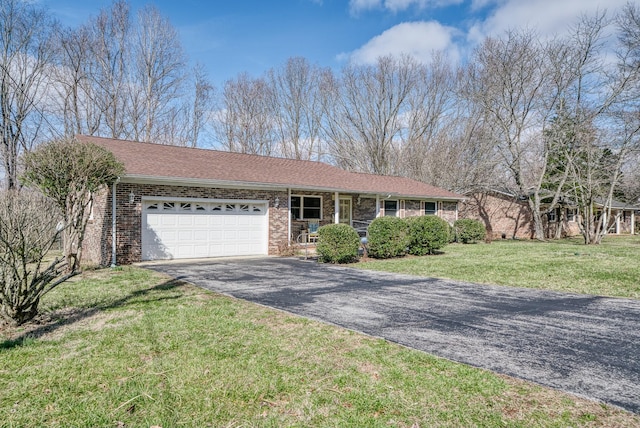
(377, 206)
(633, 222)
(618, 223)
(336, 208)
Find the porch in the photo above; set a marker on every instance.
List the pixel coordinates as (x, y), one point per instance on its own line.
(309, 211)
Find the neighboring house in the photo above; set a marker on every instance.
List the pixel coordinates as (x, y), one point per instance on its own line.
(507, 216)
(175, 202)
(503, 214)
(623, 218)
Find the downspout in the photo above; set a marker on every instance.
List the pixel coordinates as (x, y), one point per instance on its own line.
(289, 217)
(113, 222)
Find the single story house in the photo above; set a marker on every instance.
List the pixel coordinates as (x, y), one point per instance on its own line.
(507, 215)
(176, 202)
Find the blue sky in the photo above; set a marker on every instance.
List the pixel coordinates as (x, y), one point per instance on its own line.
(234, 36)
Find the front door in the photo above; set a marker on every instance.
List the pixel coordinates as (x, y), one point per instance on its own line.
(345, 211)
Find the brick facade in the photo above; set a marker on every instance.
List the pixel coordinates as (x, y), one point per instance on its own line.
(98, 242)
(503, 216)
(98, 238)
(506, 217)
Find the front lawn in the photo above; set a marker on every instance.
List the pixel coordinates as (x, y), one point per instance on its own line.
(130, 348)
(609, 269)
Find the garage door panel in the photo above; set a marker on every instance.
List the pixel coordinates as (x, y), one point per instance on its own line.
(201, 220)
(186, 220)
(212, 232)
(168, 220)
(185, 235)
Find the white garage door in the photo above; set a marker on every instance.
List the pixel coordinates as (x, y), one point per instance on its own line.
(182, 229)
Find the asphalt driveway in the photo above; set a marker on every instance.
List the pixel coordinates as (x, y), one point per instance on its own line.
(585, 345)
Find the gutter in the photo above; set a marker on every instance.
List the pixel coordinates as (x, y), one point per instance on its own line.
(113, 222)
(178, 181)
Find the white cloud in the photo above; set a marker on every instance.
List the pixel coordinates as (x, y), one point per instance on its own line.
(418, 39)
(356, 6)
(547, 17)
(397, 5)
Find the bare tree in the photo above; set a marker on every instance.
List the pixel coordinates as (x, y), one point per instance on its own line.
(604, 112)
(510, 81)
(25, 52)
(110, 49)
(364, 113)
(297, 99)
(186, 122)
(200, 105)
(427, 134)
(72, 78)
(245, 123)
(28, 230)
(158, 73)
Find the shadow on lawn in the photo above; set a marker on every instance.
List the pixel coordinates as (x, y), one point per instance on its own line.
(48, 323)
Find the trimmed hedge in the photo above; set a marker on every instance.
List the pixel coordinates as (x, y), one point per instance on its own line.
(428, 233)
(388, 237)
(337, 243)
(469, 230)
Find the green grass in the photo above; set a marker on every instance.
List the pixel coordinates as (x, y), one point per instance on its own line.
(131, 348)
(609, 269)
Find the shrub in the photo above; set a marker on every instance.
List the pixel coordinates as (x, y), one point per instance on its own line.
(337, 243)
(469, 230)
(427, 233)
(28, 230)
(69, 173)
(388, 237)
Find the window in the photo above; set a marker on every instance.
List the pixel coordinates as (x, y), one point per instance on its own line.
(430, 208)
(571, 214)
(306, 207)
(552, 216)
(390, 208)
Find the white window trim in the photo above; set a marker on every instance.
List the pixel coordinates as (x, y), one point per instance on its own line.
(350, 199)
(424, 207)
(384, 205)
(302, 205)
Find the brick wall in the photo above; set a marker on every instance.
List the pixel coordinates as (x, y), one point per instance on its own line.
(501, 215)
(98, 248)
(365, 210)
(98, 239)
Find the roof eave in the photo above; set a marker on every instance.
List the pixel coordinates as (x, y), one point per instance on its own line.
(201, 182)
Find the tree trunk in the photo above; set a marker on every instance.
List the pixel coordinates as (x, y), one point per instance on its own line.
(538, 229)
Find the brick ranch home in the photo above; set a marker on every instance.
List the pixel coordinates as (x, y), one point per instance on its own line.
(176, 202)
(505, 215)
